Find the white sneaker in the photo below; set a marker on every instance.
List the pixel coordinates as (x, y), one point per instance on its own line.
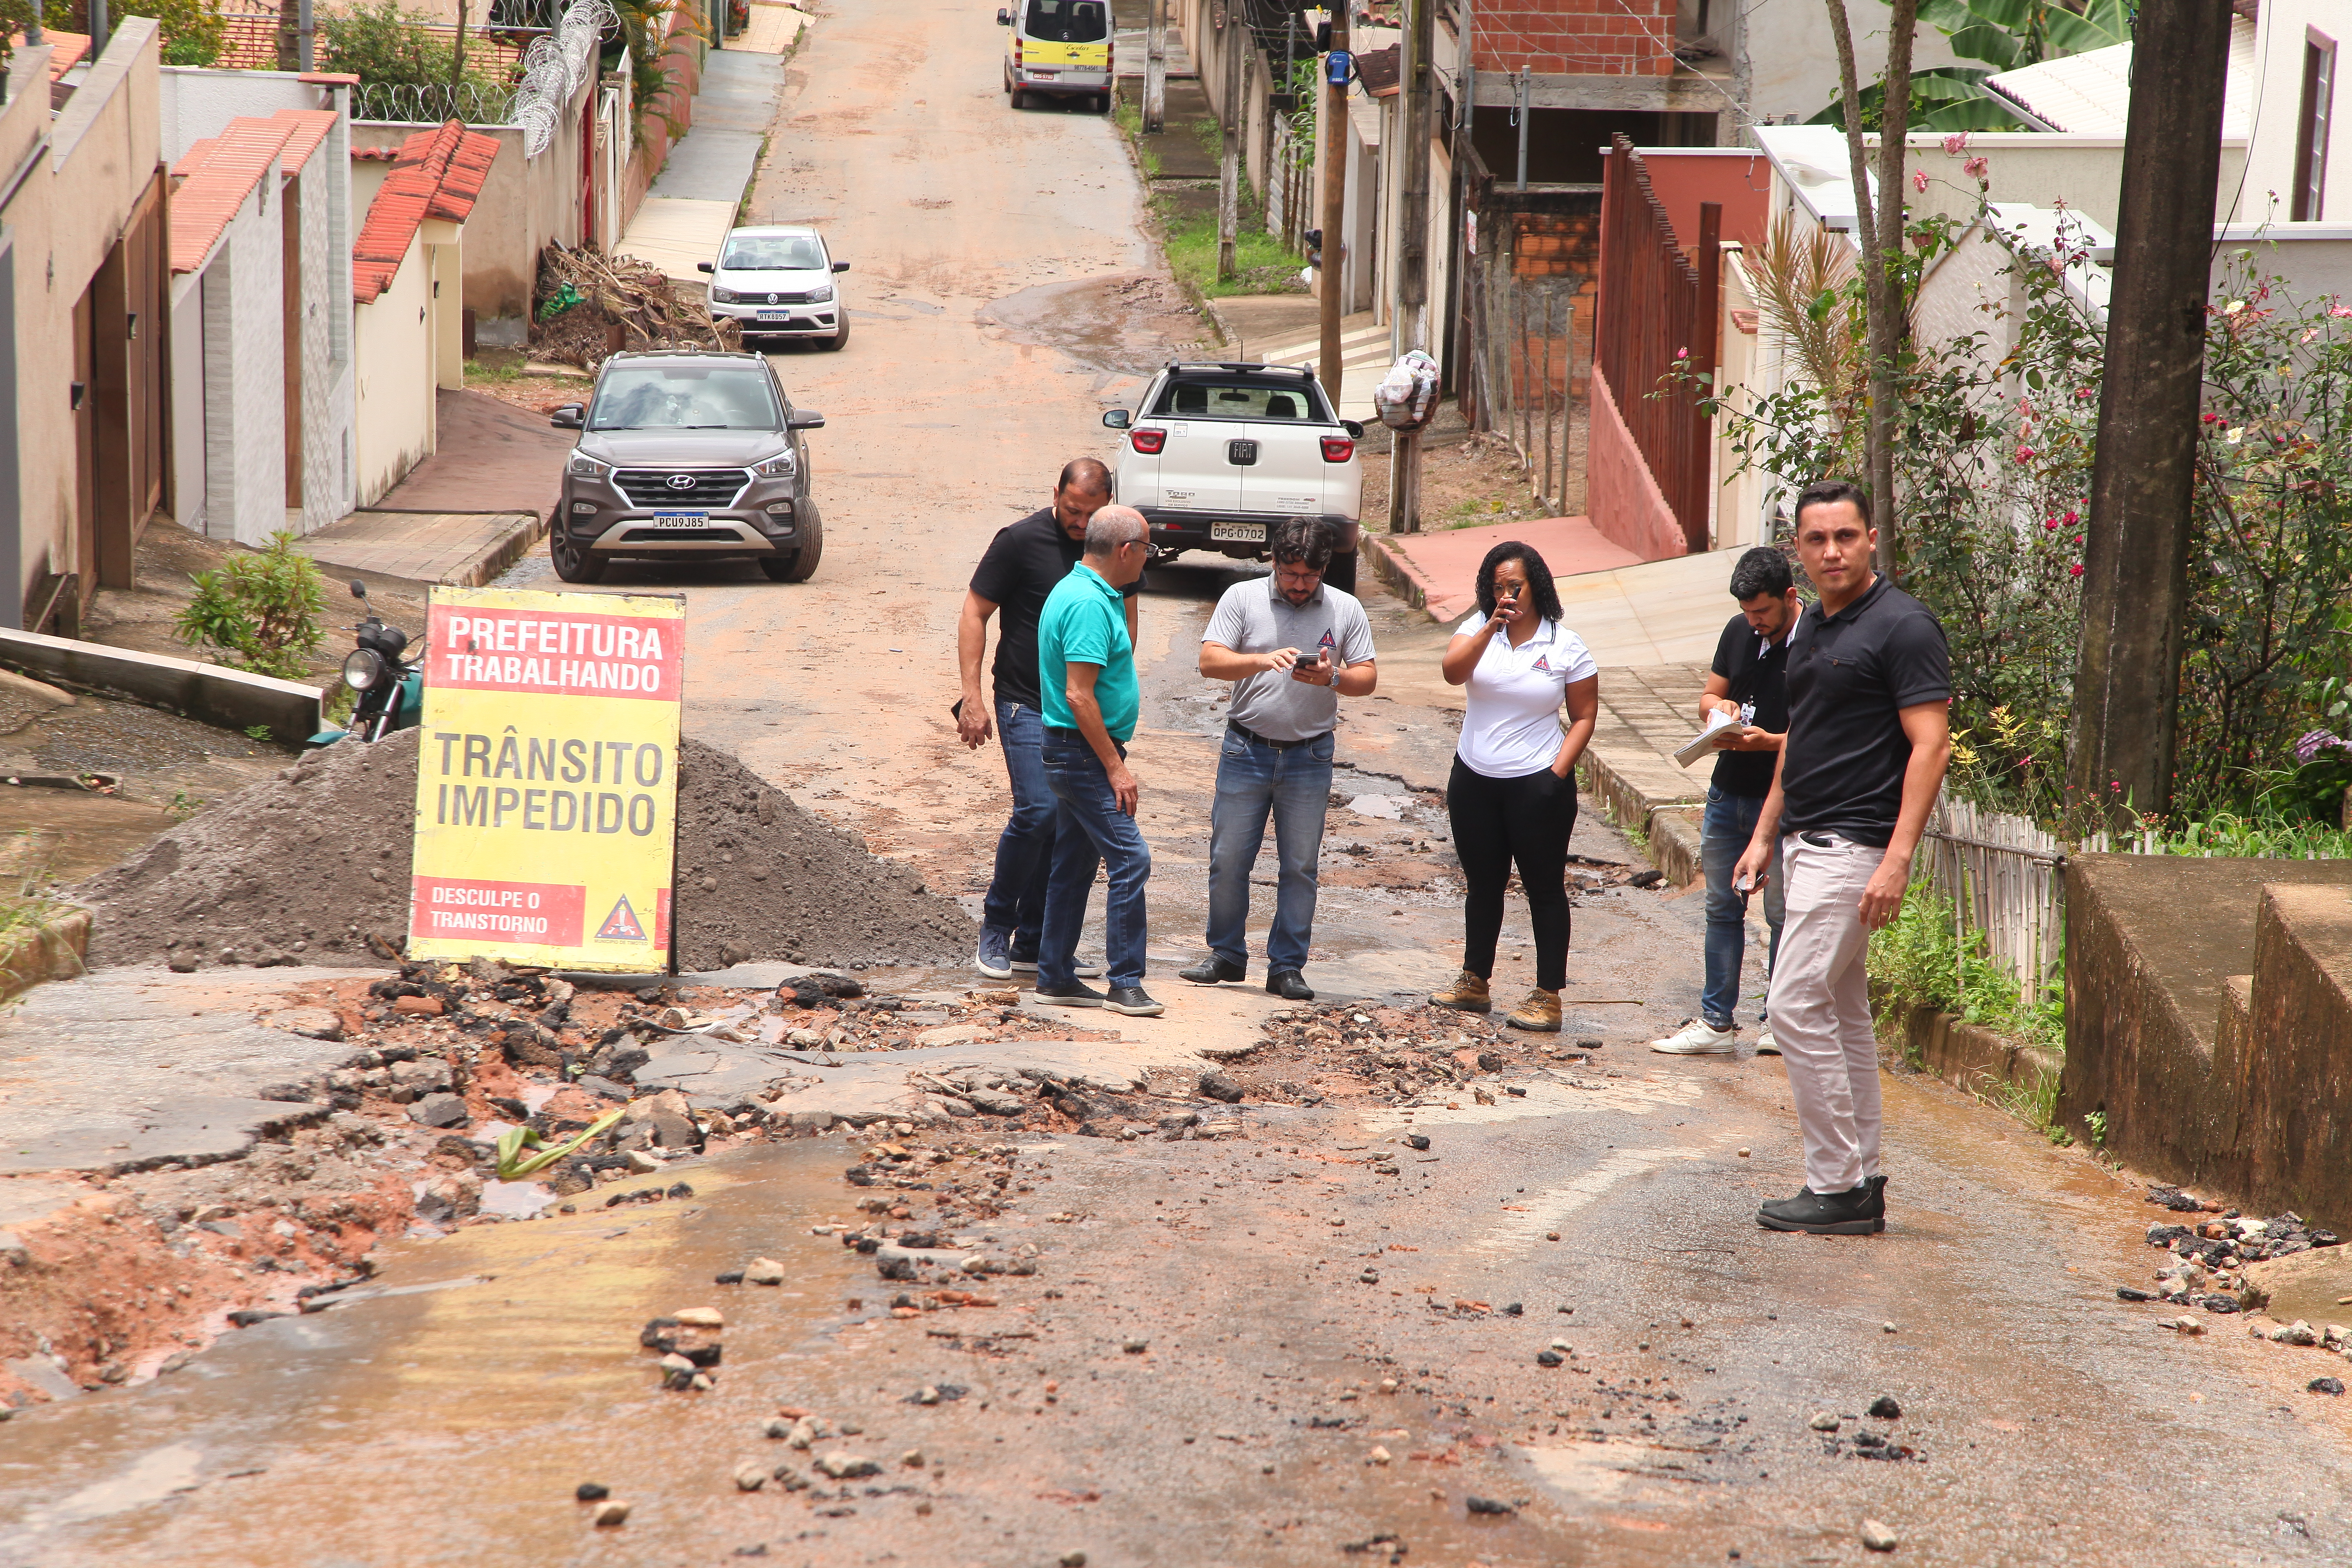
(1764, 1045)
(1698, 1038)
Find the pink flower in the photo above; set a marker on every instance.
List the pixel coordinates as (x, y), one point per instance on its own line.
(1956, 143)
(2051, 523)
(1976, 168)
(2083, 393)
(1919, 180)
(2075, 570)
(2074, 518)
(2339, 310)
(2024, 454)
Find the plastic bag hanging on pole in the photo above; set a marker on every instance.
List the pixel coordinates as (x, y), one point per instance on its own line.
(1407, 396)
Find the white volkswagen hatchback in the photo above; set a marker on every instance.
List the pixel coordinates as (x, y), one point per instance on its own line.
(776, 280)
(1214, 453)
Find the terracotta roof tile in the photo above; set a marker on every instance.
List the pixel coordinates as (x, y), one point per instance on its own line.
(438, 174)
(311, 128)
(217, 175)
(67, 50)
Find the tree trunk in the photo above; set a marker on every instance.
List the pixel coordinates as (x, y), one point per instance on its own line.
(2136, 554)
(1879, 234)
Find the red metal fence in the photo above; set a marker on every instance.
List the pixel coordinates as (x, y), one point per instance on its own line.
(1657, 308)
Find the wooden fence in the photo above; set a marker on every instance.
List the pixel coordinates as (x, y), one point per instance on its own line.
(1658, 307)
(1522, 376)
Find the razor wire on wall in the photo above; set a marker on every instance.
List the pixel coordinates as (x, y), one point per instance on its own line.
(554, 67)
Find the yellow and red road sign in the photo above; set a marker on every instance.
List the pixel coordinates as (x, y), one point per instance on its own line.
(547, 778)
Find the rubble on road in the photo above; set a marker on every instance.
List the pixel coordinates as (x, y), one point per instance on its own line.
(584, 295)
(313, 866)
(1384, 1054)
(2226, 1264)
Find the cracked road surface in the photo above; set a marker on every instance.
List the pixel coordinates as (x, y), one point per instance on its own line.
(1297, 1313)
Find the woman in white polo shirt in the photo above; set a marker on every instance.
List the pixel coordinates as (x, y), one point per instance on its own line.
(1512, 797)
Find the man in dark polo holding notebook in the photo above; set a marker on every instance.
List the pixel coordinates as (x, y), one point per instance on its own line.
(1870, 689)
(1747, 684)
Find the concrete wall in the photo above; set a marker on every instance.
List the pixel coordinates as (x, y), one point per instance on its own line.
(188, 401)
(60, 224)
(2281, 28)
(1623, 502)
(396, 377)
(2207, 1018)
(243, 296)
(526, 203)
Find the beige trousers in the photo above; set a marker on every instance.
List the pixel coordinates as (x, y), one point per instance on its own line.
(1820, 1007)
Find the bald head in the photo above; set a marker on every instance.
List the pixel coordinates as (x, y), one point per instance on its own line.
(1083, 488)
(1118, 544)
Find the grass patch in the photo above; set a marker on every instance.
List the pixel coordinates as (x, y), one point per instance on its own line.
(23, 903)
(1128, 118)
(1918, 960)
(1262, 264)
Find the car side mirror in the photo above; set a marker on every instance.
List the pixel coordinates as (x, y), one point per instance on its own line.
(1354, 428)
(841, 267)
(1003, 17)
(702, 267)
(804, 419)
(1116, 419)
(567, 416)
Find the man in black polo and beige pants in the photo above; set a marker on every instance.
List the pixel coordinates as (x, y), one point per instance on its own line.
(1870, 690)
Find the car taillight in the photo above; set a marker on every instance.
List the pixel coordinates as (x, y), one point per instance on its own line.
(1147, 441)
(1337, 448)
(1016, 49)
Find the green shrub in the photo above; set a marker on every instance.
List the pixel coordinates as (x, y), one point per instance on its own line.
(259, 612)
(383, 44)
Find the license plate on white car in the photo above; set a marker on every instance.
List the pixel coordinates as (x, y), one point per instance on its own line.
(775, 315)
(1238, 532)
(681, 520)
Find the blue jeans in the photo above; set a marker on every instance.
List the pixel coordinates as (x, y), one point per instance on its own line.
(1724, 832)
(1025, 850)
(1293, 783)
(1094, 832)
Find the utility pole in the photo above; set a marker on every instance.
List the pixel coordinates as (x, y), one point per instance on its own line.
(1420, 84)
(1335, 196)
(458, 61)
(1155, 69)
(97, 28)
(304, 32)
(2136, 555)
(1230, 31)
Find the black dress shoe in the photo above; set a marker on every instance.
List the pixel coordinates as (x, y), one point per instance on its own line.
(1290, 985)
(1859, 1211)
(1133, 1001)
(1211, 971)
(1073, 994)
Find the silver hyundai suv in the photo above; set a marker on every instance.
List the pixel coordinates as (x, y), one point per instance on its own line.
(687, 454)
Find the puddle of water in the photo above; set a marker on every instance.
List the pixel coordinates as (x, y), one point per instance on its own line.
(75, 835)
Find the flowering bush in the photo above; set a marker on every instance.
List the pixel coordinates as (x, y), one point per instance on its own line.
(1997, 440)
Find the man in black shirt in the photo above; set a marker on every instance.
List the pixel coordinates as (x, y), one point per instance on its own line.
(1870, 689)
(1021, 567)
(1746, 685)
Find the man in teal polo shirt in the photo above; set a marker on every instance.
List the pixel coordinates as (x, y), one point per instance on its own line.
(1086, 676)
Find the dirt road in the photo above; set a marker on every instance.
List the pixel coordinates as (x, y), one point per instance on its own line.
(1263, 1349)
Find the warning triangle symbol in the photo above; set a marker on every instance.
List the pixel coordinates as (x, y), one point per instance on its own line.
(621, 925)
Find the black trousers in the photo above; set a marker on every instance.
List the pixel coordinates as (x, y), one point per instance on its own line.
(1498, 822)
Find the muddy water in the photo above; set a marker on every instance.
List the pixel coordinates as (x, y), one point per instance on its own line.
(66, 835)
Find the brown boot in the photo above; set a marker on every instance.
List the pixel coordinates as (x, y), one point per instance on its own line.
(1468, 995)
(1539, 1011)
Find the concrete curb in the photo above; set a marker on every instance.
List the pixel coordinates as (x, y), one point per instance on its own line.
(1671, 826)
(1968, 1057)
(476, 569)
(230, 698)
(1405, 580)
(54, 950)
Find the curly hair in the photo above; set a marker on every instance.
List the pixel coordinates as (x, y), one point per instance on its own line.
(1539, 582)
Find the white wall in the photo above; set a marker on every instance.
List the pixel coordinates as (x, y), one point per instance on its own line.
(1792, 60)
(243, 296)
(396, 377)
(188, 400)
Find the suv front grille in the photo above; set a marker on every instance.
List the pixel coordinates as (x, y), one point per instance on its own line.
(786, 298)
(652, 486)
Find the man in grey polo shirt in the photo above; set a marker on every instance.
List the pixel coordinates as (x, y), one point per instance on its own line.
(1293, 646)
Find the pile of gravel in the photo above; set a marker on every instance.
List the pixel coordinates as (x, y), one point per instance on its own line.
(312, 867)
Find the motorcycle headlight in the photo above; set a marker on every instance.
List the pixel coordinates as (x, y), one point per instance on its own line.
(778, 466)
(583, 467)
(820, 296)
(722, 296)
(363, 669)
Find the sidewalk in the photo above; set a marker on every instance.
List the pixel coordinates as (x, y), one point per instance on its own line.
(693, 201)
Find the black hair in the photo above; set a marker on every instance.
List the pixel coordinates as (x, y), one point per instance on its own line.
(1297, 539)
(1829, 492)
(1540, 583)
(1763, 570)
(1087, 474)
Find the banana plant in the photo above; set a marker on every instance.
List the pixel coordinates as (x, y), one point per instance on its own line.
(2004, 34)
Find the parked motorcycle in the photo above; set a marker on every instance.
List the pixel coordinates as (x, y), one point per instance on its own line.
(390, 681)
